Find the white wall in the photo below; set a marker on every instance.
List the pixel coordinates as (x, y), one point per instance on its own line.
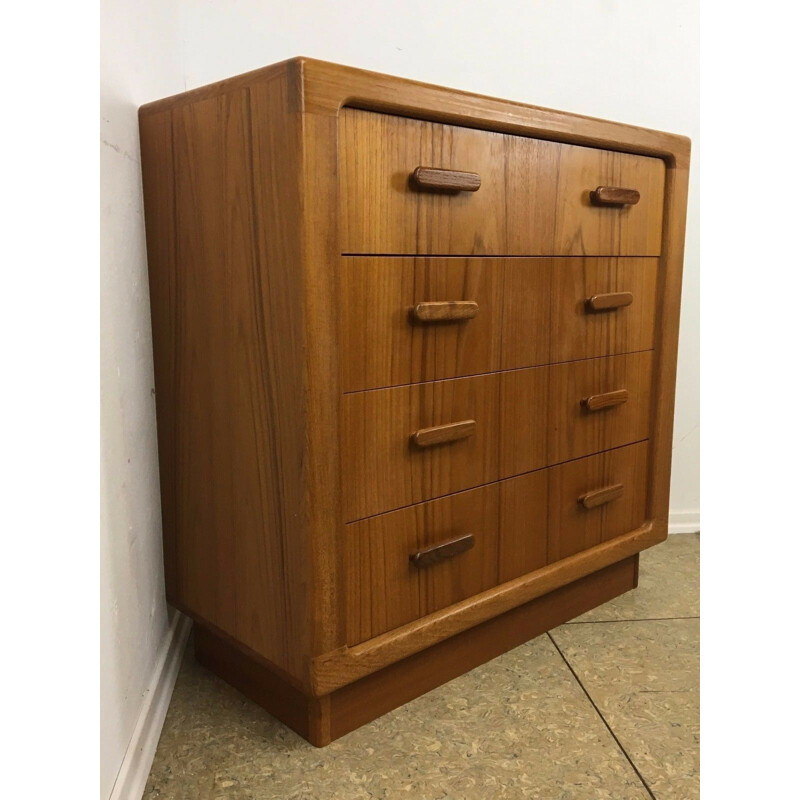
(624, 60)
(140, 61)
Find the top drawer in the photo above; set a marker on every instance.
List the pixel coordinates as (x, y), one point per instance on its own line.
(535, 196)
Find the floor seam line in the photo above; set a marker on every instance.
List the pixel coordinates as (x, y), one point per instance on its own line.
(639, 619)
(600, 714)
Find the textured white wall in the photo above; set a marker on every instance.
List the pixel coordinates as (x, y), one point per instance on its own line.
(140, 61)
(619, 59)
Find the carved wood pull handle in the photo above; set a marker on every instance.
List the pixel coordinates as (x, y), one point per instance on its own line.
(607, 302)
(446, 311)
(614, 196)
(445, 180)
(599, 497)
(441, 552)
(596, 402)
(452, 432)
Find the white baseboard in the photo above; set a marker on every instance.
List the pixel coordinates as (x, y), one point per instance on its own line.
(135, 769)
(684, 521)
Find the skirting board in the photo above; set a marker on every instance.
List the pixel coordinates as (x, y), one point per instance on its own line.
(684, 521)
(135, 768)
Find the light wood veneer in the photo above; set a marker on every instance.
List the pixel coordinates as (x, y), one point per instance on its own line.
(525, 312)
(415, 360)
(534, 195)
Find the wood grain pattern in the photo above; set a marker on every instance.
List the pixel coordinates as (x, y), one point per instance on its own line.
(212, 377)
(574, 334)
(531, 312)
(385, 590)
(436, 554)
(614, 196)
(444, 180)
(360, 702)
(534, 197)
(321, 720)
(256, 678)
(255, 339)
(573, 527)
(526, 419)
(231, 327)
(442, 434)
(598, 402)
(575, 432)
(599, 497)
(607, 302)
(382, 470)
(445, 311)
(523, 525)
(340, 667)
(381, 344)
(523, 416)
(320, 88)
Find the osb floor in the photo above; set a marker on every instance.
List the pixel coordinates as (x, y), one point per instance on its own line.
(606, 706)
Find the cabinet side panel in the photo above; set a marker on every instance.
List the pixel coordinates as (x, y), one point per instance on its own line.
(667, 327)
(275, 136)
(158, 178)
(227, 315)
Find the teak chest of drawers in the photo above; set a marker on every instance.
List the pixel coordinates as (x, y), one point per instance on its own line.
(415, 362)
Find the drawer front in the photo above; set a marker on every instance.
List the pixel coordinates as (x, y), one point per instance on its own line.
(386, 588)
(554, 513)
(407, 320)
(594, 499)
(597, 307)
(523, 524)
(523, 420)
(598, 404)
(511, 528)
(535, 196)
(385, 468)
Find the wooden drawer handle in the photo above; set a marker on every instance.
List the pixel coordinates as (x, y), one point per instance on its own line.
(614, 196)
(446, 311)
(607, 302)
(452, 432)
(445, 180)
(600, 497)
(441, 552)
(596, 402)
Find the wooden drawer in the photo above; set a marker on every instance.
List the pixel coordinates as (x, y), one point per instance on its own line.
(534, 196)
(384, 469)
(554, 513)
(609, 418)
(523, 525)
(388, 339)
(498, 314)
(517, 526)
(523, 420)
(386, 589)
(594, 499)
(593, 307)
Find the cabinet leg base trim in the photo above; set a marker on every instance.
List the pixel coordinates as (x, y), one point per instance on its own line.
(334, 670)
(321, 720)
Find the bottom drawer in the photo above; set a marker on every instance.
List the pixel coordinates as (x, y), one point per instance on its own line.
(386, 588)
(405, 564)
(594, 499)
